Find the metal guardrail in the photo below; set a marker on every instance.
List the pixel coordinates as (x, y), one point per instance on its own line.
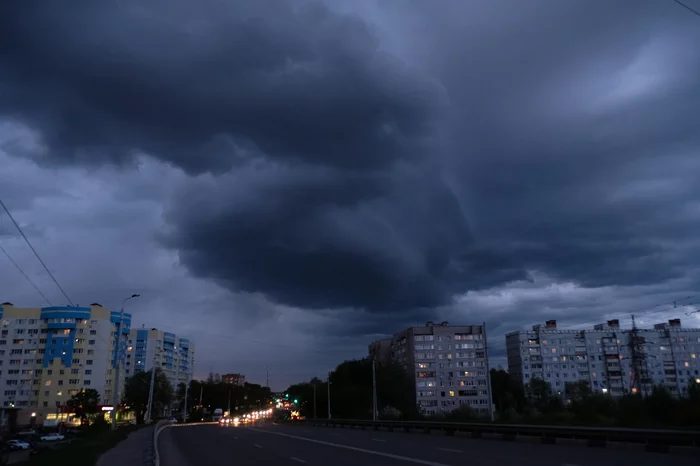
(655, 440)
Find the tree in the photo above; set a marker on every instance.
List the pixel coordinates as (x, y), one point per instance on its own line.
(351, 391)
(136, 392)
(216, 394)
(84, 404)
(507, 394)
(539, 395)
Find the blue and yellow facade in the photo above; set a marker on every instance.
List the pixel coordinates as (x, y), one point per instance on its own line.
(149, 347)
(48, 354)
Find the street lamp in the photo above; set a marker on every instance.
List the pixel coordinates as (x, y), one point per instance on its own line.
(149, 406)
(115, 398)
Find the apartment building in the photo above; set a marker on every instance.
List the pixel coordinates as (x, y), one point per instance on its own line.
(610, 359)
(49, 354)
(448, 364)
(174, 355)
(237, 380)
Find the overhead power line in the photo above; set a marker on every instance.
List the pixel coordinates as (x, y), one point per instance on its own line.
(695, 12)
(35, 253)
(25, 275)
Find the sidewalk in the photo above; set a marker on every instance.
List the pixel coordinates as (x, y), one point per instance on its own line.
(136, 450)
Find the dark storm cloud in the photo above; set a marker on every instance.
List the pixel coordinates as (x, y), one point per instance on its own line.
(584, 163)
(303, 239)
(200, 84)
(339, 178)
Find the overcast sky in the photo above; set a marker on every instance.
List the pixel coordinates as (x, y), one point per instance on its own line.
(285, 181)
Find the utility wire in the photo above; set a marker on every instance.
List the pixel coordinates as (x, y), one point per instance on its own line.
(695, 12)
(35, 253)
(25, 275)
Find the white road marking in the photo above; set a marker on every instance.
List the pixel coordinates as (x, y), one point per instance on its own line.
(348, 447)
(460, 451)
(297, 460)
(257, 446)
(378, 440)
(235, 438)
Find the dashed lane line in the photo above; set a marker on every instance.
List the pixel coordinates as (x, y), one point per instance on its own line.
(453, 450)
(256, 445)
(297, 460)
(378, 440)
(348, 447)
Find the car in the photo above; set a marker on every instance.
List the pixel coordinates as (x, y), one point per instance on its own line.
(52, 437)
(18, 445)
(172, 420)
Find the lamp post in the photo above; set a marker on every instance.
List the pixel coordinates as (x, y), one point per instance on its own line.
(149, 406)
(374, 390)
(329, 395)
(118, 362)
(184, 407)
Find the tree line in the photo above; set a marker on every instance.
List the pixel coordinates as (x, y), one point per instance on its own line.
(205, 396)
(351, 392)
(534, 402)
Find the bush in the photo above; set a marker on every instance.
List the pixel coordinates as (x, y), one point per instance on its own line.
(389, 413)
(100, 425)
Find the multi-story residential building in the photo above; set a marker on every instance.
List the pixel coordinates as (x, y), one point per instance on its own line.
(49, 354)
(448, 364)
(237, 380)
(608, 358)
(174, 355)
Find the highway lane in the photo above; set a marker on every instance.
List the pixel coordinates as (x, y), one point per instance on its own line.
(266, 444)
(218, 446)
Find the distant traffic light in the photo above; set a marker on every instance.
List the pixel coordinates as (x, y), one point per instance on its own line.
(286, 395)
(295, 401)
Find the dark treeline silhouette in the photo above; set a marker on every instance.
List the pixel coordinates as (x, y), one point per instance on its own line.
(216, 394)
(351, 392)
(577, 404)
(136, 392)
(533, 403)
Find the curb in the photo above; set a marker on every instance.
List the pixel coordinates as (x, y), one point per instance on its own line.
(160, 427)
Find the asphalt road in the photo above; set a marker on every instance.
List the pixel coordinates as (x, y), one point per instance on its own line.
(265, 444)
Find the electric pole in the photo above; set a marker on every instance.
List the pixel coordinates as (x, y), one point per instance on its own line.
(149, 409)
(639, 366)
(329, 395)
(315, 401)
(184, 408)
(229, 401)
(374, 391)
(488, 372)
(118, 360)
(201, 392)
